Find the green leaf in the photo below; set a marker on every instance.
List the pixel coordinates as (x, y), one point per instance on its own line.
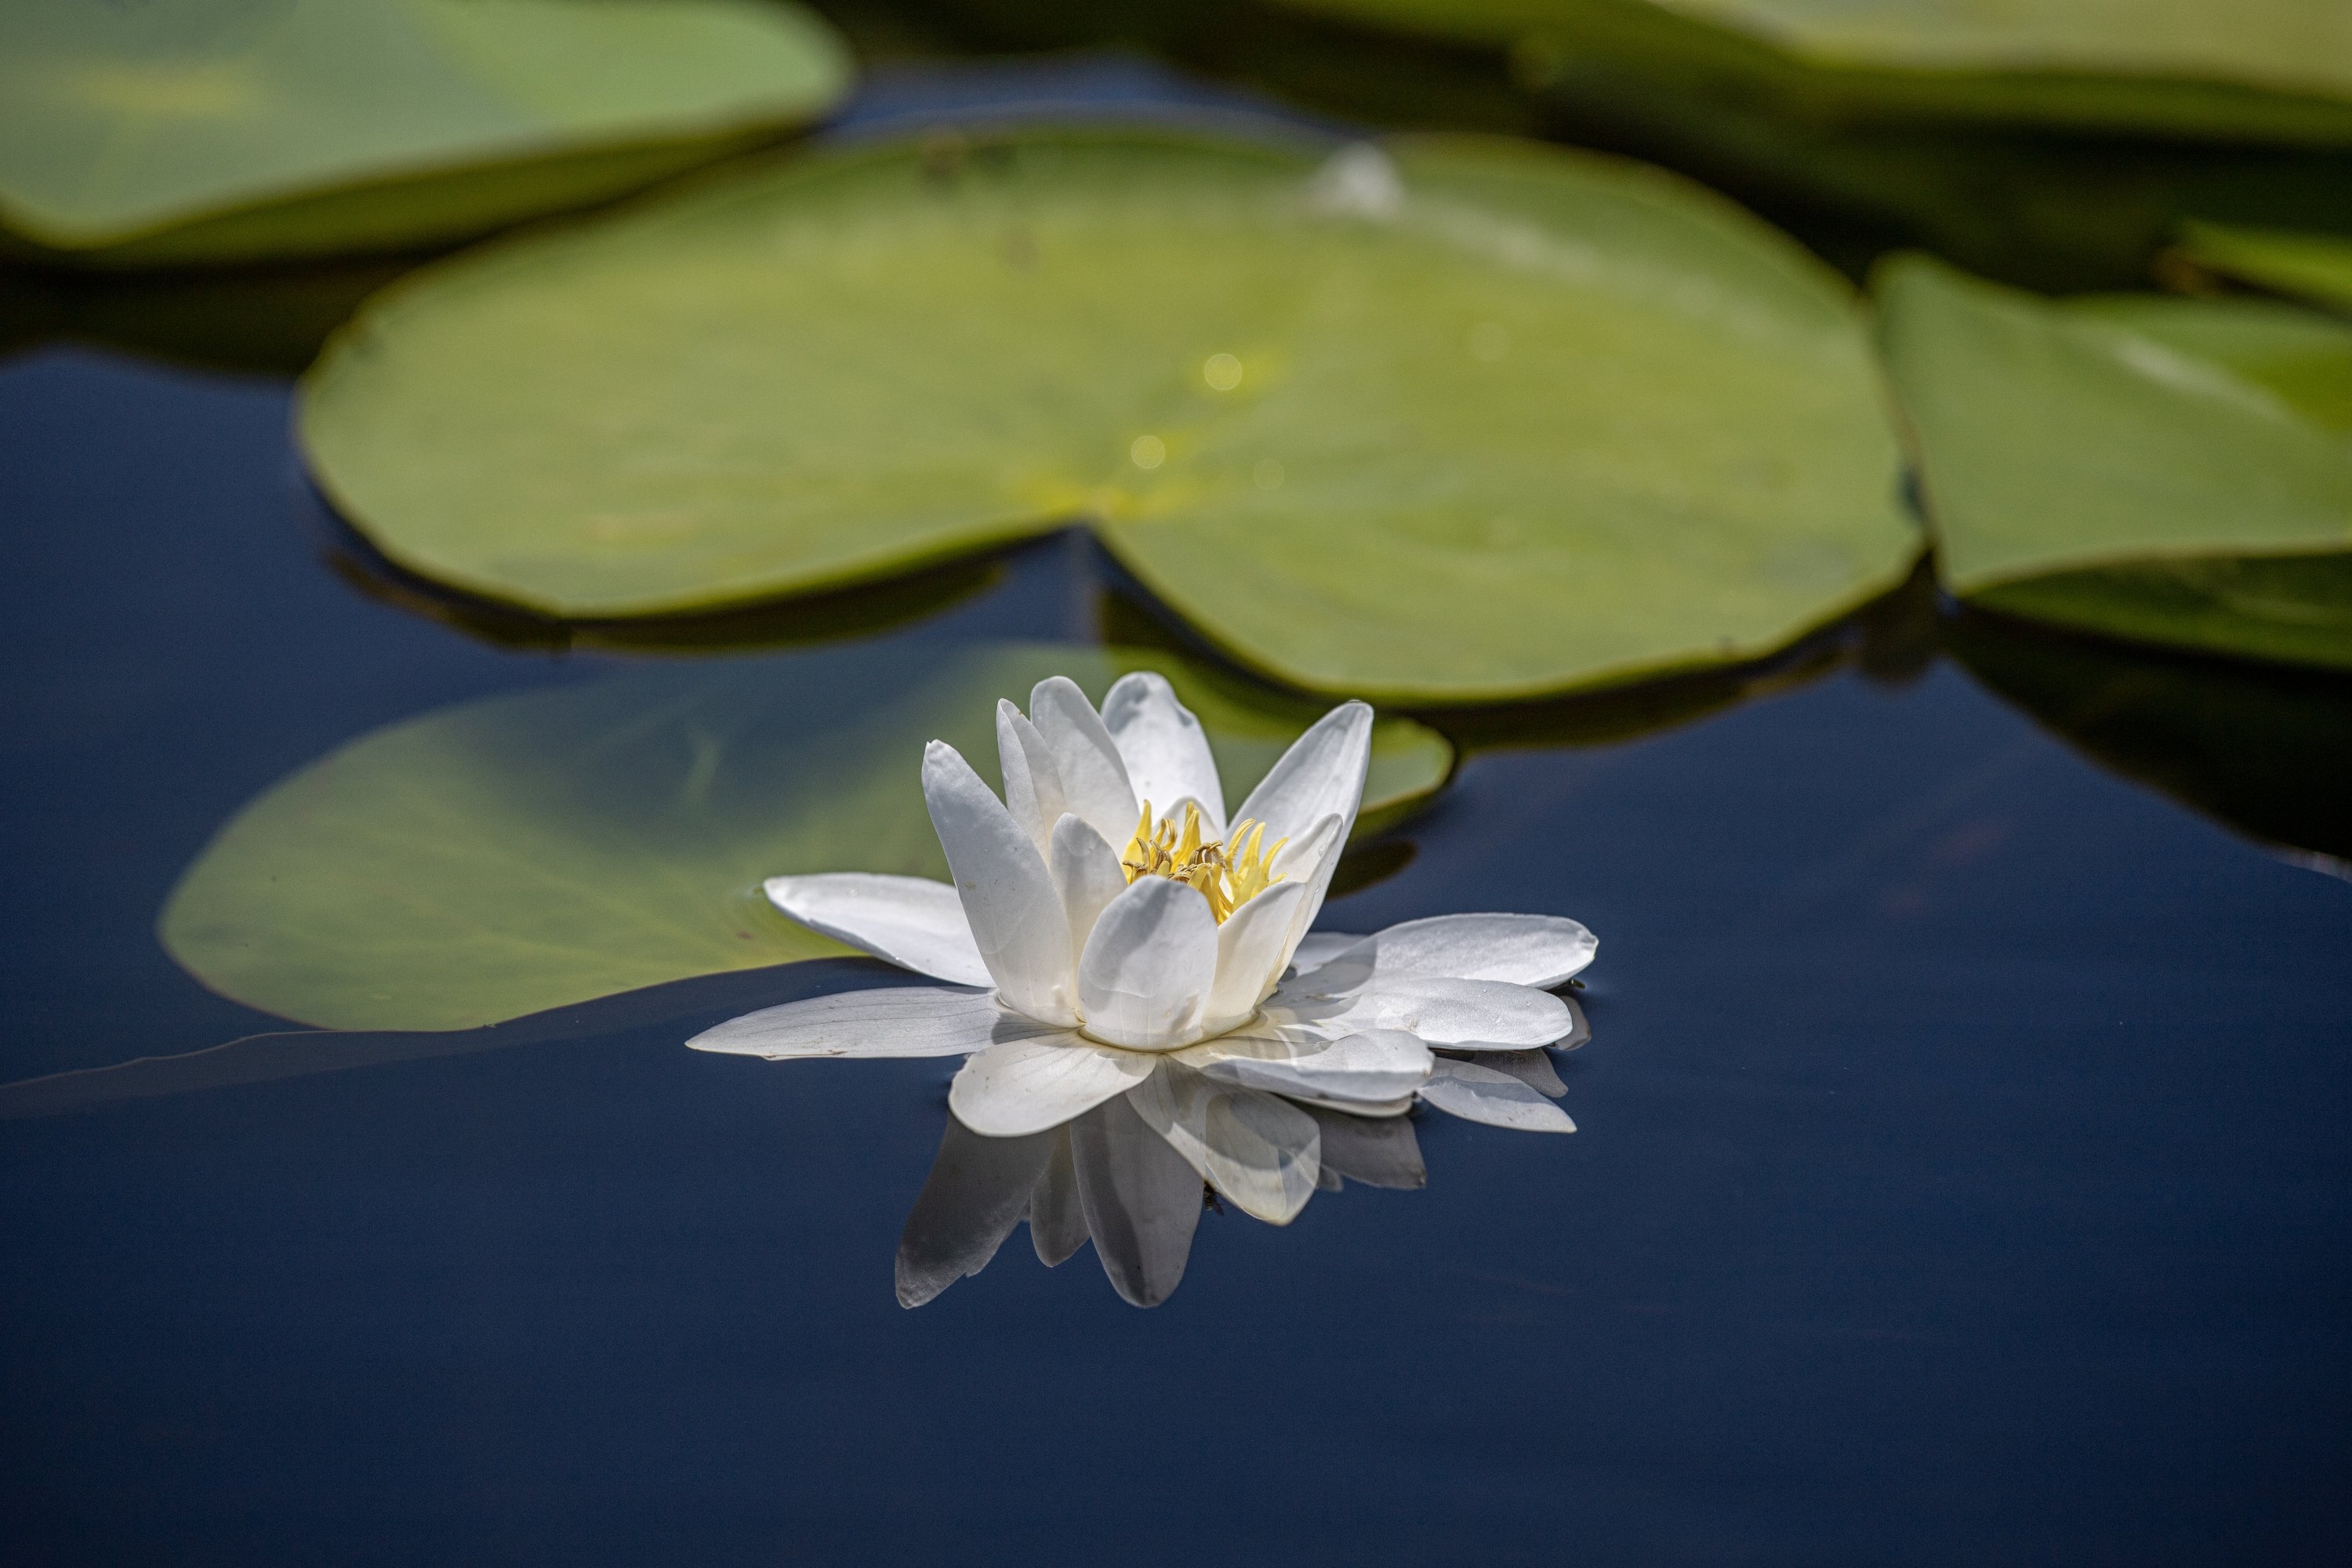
(1485, 421)
(2172, 471)
(2275, 69)
(181, 131)
(2315, 267)
(528, 851)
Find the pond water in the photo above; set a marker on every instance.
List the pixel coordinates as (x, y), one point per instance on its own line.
(1961, 1173)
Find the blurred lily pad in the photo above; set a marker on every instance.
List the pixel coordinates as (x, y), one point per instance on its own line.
(206, 130)
(2314, 267)
(2265, 750)
(2263, 69)
(1464, 420)
(524, 852)
(2168, 470)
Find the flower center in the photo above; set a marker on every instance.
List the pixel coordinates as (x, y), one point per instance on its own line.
(1228, 875)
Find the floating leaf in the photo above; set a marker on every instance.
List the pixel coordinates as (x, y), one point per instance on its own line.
(2316, 266)
(181, 131)
(1487, 420)
(2275, 69)
(2170, 470)
(520, 853)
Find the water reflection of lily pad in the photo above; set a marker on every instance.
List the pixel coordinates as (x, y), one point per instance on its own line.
(2172, 471)
(217, 129)
(1472, 420)
(2257, 68)
(2267, 752)
(518, 853)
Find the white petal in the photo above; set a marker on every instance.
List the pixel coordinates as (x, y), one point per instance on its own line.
(977, 1190)
(1377, 1066)
(1033, 784)
(1057, 1225)
(1461, 1015)
(1253, 950)
(1164, 748)
(1319, 947)
(1379, 1153)
(1148, 966)
(1308, 861)
(1482, 1094)
(911, 922)
(1094, 778)
(1008, 898)
(1321, 775)
(903, 1021)
(1141, 1201)
(1253, 1148)
(1086, 876)
(1533, 1069)
(1030, 1085)
(1541, 951)
(1580, 1030)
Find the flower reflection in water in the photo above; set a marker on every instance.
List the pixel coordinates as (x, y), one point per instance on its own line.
(1139, 1021)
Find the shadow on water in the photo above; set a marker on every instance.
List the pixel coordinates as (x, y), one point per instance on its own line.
(2265, 750)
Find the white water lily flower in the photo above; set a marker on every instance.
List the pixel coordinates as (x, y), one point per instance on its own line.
(1111, 932)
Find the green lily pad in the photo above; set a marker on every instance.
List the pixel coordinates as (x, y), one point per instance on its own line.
(2314, 267)
(524, 852)
(2167, 470)
(1466, 420)
(206, 131)
(2269, 70)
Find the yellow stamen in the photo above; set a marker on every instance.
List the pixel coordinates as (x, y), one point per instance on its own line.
(1228, 875)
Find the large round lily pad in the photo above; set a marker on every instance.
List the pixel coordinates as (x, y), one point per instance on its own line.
(1463, 420)
(2269, 70)
(181, 131)
(2170, 470)
(523, 852)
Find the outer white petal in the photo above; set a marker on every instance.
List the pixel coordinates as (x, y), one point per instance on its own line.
(1380, 1153)
(903, 1021)
(1533, 1069)
(1008, 898)
(1021, 1087)
(1308, 862)
(911, 922)
(1252, 1147)
(1147, 967)
(1086, 876)
(1482, 1094)
(1141, 1201)
(1461, 1014)
(1542, 950)
(1374, 1067)
(979, 1189)
(1164, 748)
(1321, 775)
(1319, 947)
(1057, 1224)
(1033, 782)
(1094, 778)
(1253, 950)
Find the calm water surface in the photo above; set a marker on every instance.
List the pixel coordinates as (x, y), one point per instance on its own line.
(1962, 1177)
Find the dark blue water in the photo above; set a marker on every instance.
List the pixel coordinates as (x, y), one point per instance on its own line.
(1964, 1174)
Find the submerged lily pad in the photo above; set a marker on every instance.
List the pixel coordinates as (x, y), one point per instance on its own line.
(520, 853)
(2255, 69)
(2314, 267)
(1466, 420)
(185, 130)
(2168, 470)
